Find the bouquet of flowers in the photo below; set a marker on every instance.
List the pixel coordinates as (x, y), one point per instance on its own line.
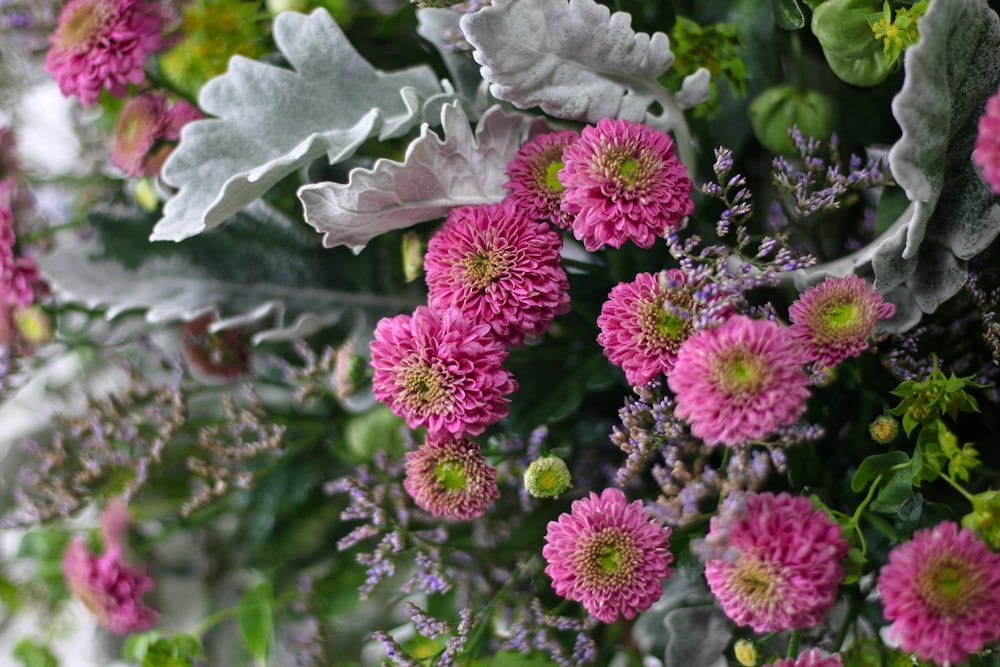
(637, 333)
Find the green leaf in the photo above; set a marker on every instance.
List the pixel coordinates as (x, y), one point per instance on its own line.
(257, 620)
(894, 492)
(31, 654)
(787, 14)
(854, 565)
(875, 465)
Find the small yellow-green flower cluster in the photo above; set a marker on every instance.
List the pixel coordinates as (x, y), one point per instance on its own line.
(896, 34)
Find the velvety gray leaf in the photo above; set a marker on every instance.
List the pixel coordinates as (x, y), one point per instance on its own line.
(438, 26)
(434, 176)
(575, 59)
(270, 121)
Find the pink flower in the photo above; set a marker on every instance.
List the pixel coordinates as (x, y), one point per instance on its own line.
(500, 268)
(534, 177)
(643, 324)
(140, 125)
(987, 153)
(103, 44)
(942, 592)
(782, 565)
(180, 114)
(18, 274)
(624, 183)
(739, 381)
(108, 586)
(811, 658)
(441, 371)
(834, 319)
(449, 477)
(609, 555)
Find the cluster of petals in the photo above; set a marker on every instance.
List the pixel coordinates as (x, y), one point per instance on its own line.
(987, 152)
(449, 477)
(739, 381)
(782, 567)
(609, 555)
(441, 371)
(103, 44)
(624, 183)
(644, 323)
(19, 274)
(811, 658)
(107, 585)
(534, 177)
(834, 319)
(500, 267)
(941, 590)
(147, 125)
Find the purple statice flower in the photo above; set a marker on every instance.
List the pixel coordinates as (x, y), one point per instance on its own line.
(833, 320)
(449, 477)
(987, 152)
(739, 381)
(103, 44)
(441, 371)
(609, 555)
(783, 566)
(624, 183)
(500, 267)
(941, 590)
(534, 177)
(108, 586)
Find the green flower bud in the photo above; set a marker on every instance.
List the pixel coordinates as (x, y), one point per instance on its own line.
(413, 255)
(547, 477)
(747, 653)
(775, 110)
(883, 429)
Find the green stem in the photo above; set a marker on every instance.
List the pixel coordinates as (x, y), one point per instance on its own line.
(800, 70)
(958, 487)
(793, 644)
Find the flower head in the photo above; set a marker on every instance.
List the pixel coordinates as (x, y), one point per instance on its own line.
(739, 381)
(103, 44)
(500, 267)
(624, 183)
(643, 324)
(834, 319)
(942, 592)
(609, 555)
(449, 477)
(782, 566)
(440, 371)
(987, 153)
(811, 658)
(534, 177)
(108, 586)
(547, 477)
(139, 126)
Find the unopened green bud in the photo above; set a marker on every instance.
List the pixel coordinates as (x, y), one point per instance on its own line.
(883, 429)
(413, 256)
(547, 477)
(747, 653)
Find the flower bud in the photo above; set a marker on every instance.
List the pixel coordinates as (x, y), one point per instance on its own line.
(884, 429)
(32, 324)
(547, 477)
(747, 653)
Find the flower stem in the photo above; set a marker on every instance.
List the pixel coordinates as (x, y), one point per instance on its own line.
(793, 644)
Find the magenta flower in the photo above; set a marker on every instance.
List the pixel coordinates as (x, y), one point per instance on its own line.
(500, 268)
(942, 592)
(782, 565)
(739, 381)
(441, 371)
(987, 152)
(180, 114)
(609, 555)
(18, 274)
(103, 44)
(643, 324)
(811, 658)
(534, 177)
(834, 319)
(140, 125)
(624, 183)
(450, 478)
(108, 586)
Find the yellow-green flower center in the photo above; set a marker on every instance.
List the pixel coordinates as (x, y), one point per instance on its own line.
(485, 268)
(950, 587)
(424, 386)
(552, 181)
(629, 170)
(82, 25)
(740, 373)
(609, 558)
(758, 582)
(841, 315)
(451, 475)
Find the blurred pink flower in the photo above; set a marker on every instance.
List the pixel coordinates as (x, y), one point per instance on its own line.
(811, 658)
(987, 152)
(609, 555)
(449, 477)
(942, 592)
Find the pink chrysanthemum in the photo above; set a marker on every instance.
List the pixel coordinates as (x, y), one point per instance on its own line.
(987, 153)
(811, 658)
(624, 183)
(534, 177)
(103, 44)
(834, 319)
(180, 114)
(108, 586)
(18, 275)
(609, 555)
(739, 381)
(140, 124)
(449, 477)
(441, 371)
(500, 268)
(782, 567)
(942, 592)
(643, 324)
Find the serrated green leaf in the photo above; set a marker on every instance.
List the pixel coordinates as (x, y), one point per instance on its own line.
(875, 465)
